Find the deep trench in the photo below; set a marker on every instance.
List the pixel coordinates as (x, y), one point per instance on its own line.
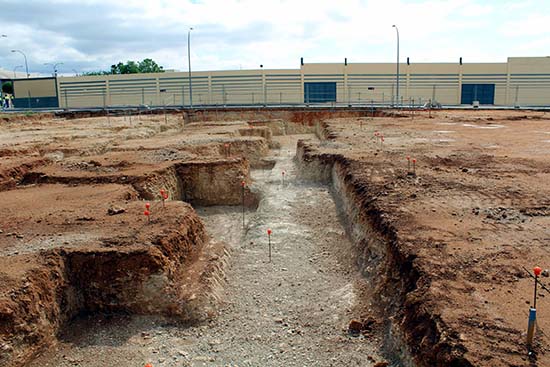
(291, 311)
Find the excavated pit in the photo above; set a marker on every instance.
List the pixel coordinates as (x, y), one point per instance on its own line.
(412, 334)
(173, 270)
(200, 183)
(372, 237)
(168, 267)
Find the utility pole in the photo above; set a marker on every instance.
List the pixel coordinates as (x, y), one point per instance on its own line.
(26, 64)
(14, 69)
(189, 60)
(397, 74)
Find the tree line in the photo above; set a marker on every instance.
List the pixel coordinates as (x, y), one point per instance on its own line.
(130, 67)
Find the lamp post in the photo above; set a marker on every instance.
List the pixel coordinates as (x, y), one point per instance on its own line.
(14, 69)
(26, 64)
(397, 74)
(54, 67)
(189, 60)
(264, 85)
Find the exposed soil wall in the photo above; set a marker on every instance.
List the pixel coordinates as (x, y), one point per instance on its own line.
(205, 183)
(155, 271)
(25, 117)
(301, 115)
(167, 179)
(12, 175)
(297, 114)
(263, 132)
(213, 183)
(284, 127)
(414, 335)
(253, 149)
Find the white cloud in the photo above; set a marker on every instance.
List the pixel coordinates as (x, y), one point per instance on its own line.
(93, 34)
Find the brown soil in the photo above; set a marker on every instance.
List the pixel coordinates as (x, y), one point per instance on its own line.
(441, 249)
(74, 238)
(448, 242)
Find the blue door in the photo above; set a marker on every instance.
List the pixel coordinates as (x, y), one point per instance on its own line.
(484, 93)
(319, 92)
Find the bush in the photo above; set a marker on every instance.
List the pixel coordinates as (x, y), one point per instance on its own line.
(7, 87)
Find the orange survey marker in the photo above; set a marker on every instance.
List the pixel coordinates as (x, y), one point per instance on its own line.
(533, 311)
(164, 196)
(147, 213)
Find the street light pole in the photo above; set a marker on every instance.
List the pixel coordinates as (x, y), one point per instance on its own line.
(26, 64)
(397, 74)
(14, 69)
(189, 60)
(54, 66)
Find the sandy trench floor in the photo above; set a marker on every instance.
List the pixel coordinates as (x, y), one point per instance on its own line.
(292, 311)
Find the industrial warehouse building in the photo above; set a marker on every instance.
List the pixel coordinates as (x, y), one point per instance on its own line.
(521, 81)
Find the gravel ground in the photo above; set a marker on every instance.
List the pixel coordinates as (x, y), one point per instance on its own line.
(292, 311)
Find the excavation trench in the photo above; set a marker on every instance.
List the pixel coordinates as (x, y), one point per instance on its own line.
(150, 272)
(169, 267)
(413, 335)
(293, 310)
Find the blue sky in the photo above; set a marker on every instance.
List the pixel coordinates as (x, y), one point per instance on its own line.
(229, 34)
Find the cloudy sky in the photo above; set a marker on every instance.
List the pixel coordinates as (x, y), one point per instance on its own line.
(230, 34)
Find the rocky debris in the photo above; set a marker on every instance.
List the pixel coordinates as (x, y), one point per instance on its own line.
(114, 210)
(540, 211)
(369, 325)
(355, 327)
(364, 327)
(502, 215)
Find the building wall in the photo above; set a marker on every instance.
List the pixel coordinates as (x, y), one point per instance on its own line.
(529, 81)
(35, 93)
(525, 80)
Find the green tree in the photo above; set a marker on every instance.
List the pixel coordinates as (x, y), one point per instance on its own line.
(7, 87)
(149, 66)
(130, 67)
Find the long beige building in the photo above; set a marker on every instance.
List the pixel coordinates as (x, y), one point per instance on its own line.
(521, 81)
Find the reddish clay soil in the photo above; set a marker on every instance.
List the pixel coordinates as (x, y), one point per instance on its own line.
(444, 245)
(74, 238)
(461, 227)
